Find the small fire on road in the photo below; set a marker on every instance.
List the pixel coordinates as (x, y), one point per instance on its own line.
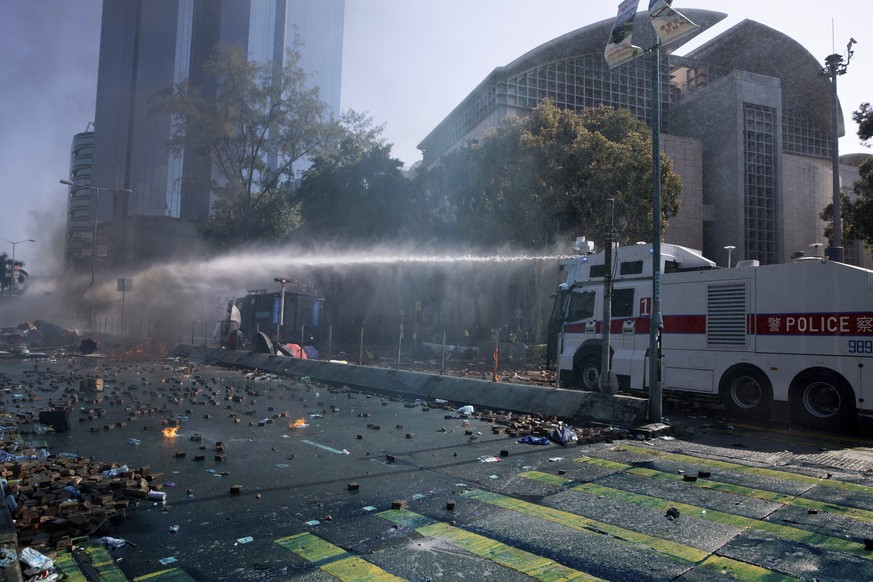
(170, 432)
(299, 423)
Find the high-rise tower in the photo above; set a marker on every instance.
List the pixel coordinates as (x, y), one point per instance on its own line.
(79, 240)
(149, 45)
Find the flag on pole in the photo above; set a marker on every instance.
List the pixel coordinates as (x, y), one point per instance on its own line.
(619, 48)
(668, 24)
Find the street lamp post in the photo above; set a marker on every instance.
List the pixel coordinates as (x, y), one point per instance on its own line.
(12, 277)
(282, 281)
(93, 231)
(94, 225)
(834, 67)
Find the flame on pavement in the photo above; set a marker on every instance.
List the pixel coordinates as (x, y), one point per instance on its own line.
(299, 423)
(170, 432)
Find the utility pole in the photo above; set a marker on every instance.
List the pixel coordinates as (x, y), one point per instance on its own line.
(667, 25)
(607, 386)
(834, 67)
(96, 191)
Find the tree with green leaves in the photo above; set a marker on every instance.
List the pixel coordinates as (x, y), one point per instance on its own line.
(355, 192)
(6, 278)
(252, 123)
(545, 177)
(864, 118)
(857, 212)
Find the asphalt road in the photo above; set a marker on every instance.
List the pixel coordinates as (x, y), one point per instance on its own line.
(377, 488)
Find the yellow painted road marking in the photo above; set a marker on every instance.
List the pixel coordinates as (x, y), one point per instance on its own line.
(334, 560)
(783, 531)
(106, 568)
(763, 494)
(171, 575)
(759, 471)
(729, 570)
(679, 552)
(535, 566)
(66, 563)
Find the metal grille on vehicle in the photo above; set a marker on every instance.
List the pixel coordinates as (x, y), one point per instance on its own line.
(726, 315)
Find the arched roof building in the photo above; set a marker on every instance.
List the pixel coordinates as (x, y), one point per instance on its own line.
(745, 118)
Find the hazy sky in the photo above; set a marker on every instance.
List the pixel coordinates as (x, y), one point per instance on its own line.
(406, 62)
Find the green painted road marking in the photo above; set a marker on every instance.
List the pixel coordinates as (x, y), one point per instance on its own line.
(334, 560)
(763, 494)
(783, 531)
(679, 552)
(674, 550)
(102, 561)
(734, 570)
(535, 566)
(759, 471)
(66, 563)
(549, 478)
(684, 554)
(171, 575)
(311, 548)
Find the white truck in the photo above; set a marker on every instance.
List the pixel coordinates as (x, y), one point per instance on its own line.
(757, 337)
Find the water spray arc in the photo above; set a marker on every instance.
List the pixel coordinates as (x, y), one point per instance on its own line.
(363, 289)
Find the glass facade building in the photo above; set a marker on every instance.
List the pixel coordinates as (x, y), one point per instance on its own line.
(745, 117)
(147, 46)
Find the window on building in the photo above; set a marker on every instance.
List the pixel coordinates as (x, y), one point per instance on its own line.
(759, 125)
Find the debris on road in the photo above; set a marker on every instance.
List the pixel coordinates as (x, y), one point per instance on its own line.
(54, 498)
(532, 440)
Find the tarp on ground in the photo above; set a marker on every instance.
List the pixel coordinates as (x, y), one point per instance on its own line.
(563, 435)
(532, 440)
(297, 351)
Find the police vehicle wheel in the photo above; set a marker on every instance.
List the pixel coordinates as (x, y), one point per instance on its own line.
(746, 393)
(588, 374)
(824, 401)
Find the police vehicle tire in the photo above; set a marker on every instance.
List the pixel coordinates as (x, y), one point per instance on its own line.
(823, 401)
(588, 373)
(746, 393)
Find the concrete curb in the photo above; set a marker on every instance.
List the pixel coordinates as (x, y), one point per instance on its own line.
(572, 405)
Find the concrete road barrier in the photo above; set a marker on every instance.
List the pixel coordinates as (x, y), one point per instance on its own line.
(572, 405)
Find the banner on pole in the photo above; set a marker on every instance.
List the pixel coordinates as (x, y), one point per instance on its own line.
(668, 24)
(277, 308)
(619, 48)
